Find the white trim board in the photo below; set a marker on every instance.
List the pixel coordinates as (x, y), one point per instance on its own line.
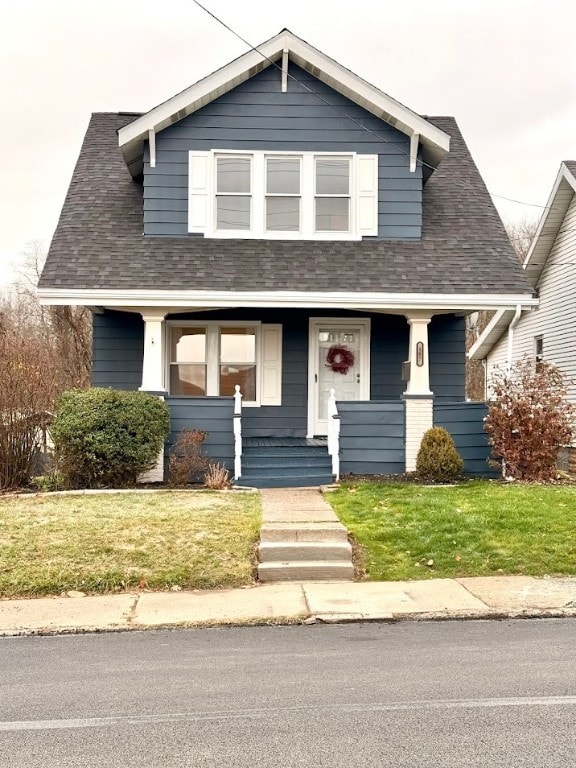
(368, 301)
(131, 137)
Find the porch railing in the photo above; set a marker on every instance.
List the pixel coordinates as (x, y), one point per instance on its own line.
(334, 434)
(237, 432)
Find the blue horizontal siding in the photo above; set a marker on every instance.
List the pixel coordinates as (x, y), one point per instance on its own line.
(372, 437)
(465, 423)
(257, 116)
(117, 350)
(213, 415)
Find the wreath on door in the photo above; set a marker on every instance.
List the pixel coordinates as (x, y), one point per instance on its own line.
(339, 359)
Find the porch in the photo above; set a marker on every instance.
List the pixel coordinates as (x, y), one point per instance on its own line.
(371, 440)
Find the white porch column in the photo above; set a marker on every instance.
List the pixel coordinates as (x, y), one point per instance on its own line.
(153, 377)
(153, 365)
(418, 397)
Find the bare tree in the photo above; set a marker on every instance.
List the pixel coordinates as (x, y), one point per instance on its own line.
(521, 234)
(67, 330)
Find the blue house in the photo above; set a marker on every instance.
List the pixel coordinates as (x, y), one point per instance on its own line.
(287, 255)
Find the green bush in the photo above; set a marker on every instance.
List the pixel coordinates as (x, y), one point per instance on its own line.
(106, 437)
(438, 460)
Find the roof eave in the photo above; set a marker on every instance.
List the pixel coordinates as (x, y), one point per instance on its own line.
(131, 137)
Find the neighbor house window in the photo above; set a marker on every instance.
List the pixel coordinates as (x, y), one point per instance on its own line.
(289, 195)
(539, 349)
(332, 194)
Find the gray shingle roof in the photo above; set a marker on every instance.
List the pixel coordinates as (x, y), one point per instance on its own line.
(98, 243)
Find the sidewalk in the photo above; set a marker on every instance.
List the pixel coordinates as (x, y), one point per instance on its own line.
(305, 602)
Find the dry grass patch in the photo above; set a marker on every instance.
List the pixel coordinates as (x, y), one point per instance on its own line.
(110, 543)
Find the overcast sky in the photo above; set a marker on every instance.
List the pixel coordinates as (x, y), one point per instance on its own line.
(506, 69)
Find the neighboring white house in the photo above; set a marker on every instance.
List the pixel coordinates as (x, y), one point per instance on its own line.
(549, 331)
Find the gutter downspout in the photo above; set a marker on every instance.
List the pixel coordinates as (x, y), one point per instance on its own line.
(513, 324)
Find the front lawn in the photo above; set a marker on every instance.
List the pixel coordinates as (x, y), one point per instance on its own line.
(477, 529)
(112, 542)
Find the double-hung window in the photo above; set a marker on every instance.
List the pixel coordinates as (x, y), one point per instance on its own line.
(283, 194)
(233, 192)
(212, 359)
(288, 195)
(332, 194)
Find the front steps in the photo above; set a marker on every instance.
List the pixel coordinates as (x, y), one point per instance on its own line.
(285, 463)
(302, 539)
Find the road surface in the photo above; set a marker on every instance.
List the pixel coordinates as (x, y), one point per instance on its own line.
(408, 695)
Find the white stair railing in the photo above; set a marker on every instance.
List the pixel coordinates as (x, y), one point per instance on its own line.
(237, 432)
(334, 434)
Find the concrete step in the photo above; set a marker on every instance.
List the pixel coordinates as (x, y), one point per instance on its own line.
(307, 570)
(298, 551)
(287, 532)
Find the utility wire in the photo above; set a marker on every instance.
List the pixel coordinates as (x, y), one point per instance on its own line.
(338, 109)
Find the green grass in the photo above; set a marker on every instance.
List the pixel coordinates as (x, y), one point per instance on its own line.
(114, 542)
(477, 529)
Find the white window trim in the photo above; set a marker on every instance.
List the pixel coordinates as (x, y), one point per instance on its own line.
(213, 353)
(307, 200)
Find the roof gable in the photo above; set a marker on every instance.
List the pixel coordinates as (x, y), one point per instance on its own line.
(551, 221)
(435, 143)
(548, 229)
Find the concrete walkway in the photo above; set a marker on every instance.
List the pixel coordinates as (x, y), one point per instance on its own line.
(301, 538)
(479, 598)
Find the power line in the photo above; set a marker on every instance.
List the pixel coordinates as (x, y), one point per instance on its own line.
(338, 109)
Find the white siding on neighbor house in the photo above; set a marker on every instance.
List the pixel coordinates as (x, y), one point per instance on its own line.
(555, 319)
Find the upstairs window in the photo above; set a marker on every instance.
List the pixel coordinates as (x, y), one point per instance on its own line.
(332, 198)
(291, 195)
(283, 194)
(233, 192)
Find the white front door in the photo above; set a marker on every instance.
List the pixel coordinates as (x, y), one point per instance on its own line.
(339, 358)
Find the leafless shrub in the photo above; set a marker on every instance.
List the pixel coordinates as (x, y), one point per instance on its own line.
(188, 462)
(529, 420)
(217, 477)
(27, 392)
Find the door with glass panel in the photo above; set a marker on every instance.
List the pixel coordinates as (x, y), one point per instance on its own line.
(339, 360)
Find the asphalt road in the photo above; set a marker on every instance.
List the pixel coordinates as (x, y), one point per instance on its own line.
(412, 694)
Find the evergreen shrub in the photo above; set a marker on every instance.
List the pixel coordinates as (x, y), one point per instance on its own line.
(438, 460)
(105, 438)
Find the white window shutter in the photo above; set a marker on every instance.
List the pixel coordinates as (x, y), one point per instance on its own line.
(198, 191)
(271, 368)
(367, 194)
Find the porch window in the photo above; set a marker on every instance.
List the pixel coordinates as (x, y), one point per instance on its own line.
(188, 361)
(212, 359)
(238, 361)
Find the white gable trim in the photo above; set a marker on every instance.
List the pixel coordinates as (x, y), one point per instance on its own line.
(550, 223)
(132, 136)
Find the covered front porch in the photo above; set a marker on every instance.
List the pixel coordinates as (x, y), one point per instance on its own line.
(294, 383)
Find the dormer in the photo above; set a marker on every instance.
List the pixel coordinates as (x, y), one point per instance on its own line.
(283, 143)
